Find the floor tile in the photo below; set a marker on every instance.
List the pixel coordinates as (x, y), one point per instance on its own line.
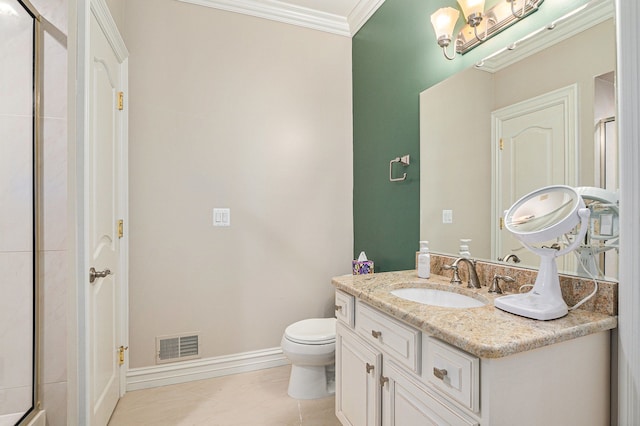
(257, 398)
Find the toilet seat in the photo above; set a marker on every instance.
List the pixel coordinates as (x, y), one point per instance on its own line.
(315, 331)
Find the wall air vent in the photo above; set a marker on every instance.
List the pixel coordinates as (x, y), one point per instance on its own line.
(177, 347)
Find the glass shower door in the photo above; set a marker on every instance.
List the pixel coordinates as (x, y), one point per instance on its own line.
(18, 290)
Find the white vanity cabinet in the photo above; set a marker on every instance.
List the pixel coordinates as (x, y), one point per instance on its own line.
(377, 373)
(389, 373)
(406, 401)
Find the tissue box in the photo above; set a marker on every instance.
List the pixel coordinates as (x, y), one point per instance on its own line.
(363, 267)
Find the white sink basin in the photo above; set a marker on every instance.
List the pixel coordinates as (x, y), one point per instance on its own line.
(433, 297)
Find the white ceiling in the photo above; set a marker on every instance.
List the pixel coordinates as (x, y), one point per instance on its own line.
(342, 17)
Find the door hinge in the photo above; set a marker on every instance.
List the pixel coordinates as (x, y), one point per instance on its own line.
(501, 223)
(120, 228)
(501, 144)
(121, 350)
(120, 101)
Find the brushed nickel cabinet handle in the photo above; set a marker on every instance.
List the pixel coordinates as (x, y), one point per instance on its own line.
(383, 380)
(376, 334)
(338, 308)
(439, 373)
(369, 368)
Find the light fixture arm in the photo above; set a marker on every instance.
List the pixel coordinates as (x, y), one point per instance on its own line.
(513, 9)
(475, 28)
(444, 42)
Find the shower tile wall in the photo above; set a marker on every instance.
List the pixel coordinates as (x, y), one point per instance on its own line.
(16, 248)
(54, 217)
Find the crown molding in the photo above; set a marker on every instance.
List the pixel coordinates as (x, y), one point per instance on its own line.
(297, 15)
(361, 14)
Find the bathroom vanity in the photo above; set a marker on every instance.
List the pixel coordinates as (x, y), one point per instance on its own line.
(400, 362)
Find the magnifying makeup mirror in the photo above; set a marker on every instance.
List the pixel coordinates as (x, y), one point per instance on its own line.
(540, 217)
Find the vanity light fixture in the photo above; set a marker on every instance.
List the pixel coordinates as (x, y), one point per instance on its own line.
(473, 11)
(444, 21)
(496, 19)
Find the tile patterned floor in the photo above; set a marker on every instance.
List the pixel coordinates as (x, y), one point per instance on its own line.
(257, 398)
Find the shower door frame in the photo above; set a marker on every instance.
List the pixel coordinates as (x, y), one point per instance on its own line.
(36, 217)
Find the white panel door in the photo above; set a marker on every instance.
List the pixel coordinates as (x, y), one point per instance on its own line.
(103, 244)
(536, 147)
(532, 157)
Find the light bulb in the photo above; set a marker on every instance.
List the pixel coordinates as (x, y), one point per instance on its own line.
(471, 7)
(444, 21)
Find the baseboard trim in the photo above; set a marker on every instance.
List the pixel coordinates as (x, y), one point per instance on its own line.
(187, 371)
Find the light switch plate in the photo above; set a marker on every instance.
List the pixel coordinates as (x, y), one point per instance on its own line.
(221, 217)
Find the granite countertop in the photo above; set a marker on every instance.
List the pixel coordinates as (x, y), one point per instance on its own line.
(486, 332)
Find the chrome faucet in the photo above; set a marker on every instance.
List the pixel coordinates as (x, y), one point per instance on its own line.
(474, 281)
(495, 285)
(512, 256)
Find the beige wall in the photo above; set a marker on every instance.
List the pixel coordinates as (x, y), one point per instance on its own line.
(116, 7)
(455, 162)
(460, 140)
(232, 111)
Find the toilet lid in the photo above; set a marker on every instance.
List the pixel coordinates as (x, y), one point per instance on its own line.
(315, 331)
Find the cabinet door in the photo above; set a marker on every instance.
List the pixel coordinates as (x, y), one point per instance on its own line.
(406, 402)
(358, 369)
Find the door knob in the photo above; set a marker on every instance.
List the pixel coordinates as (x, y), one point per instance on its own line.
(93, 274)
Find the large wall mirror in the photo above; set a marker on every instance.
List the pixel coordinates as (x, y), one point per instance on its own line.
(19, 31)
(539, 113)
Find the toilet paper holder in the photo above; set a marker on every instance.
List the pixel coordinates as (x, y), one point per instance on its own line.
(404, 160)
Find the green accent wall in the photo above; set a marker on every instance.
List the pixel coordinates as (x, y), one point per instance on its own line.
(395, 57)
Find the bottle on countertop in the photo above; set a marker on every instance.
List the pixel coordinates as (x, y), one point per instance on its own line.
(424, 260)
(464, 248)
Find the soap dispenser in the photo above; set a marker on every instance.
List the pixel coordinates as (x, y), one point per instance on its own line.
(424, 260)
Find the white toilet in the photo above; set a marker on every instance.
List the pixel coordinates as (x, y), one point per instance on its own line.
(310, 345)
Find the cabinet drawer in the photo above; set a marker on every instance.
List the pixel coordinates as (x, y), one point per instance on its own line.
(452, 371)
(344, 308)
(391, 336)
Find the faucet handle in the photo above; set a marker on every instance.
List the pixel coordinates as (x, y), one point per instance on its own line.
(455, 279)
(495, 285)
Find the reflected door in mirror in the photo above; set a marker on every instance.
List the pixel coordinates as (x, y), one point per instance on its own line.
(534, 141)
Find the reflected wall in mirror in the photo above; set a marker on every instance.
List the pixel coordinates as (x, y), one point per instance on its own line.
(18, 293)
(462, 165)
